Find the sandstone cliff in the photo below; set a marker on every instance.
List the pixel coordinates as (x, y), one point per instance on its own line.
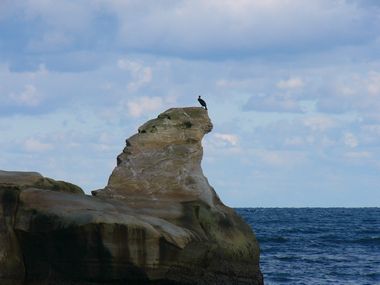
(157, 221)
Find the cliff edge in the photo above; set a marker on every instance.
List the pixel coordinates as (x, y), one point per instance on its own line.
(158, 221)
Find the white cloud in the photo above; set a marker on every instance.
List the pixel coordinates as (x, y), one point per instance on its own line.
(272, 103)
(233, 29)
(224, 28)
(141, 74)
(271, 158)
(373, 84)
(29, 96)
(350, 140)
(291, 83)
(233, 83)
(281, 158)
(221, 144)
(352, 92)
(143, 105)
(294, 141)
(238, 27)
(327, 142)
(319, 123)
(358, 155)
(229, 138)
(35, 145)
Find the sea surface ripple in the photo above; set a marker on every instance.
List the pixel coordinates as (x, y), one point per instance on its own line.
(317, 245)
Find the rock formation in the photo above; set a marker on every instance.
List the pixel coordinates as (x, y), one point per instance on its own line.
(157, 221)
(163, 161)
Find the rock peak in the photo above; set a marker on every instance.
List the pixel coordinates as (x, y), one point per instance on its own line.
(174, 126)
(163, 160)
(191, 119)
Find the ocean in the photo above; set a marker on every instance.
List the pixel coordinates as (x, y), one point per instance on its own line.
(316, 246)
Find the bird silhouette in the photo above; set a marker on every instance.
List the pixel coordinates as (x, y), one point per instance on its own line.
(202, 102)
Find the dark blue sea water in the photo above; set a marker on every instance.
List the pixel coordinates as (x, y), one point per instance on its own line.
(317, 245)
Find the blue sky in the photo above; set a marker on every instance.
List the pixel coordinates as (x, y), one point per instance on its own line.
(293, 89)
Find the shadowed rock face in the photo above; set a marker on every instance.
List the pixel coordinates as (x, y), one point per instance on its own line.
(157, 221)
(12, 184)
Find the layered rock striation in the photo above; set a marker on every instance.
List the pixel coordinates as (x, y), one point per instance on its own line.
(158, 221)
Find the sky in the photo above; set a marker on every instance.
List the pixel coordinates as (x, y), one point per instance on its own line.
(292, 86)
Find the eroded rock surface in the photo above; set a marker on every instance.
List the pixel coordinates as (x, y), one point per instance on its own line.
(157, 221)
(163, 161)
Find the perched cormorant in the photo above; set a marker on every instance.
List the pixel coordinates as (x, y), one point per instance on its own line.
(202, 102)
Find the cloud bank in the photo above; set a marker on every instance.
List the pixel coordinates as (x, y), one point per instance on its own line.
(293, 89)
